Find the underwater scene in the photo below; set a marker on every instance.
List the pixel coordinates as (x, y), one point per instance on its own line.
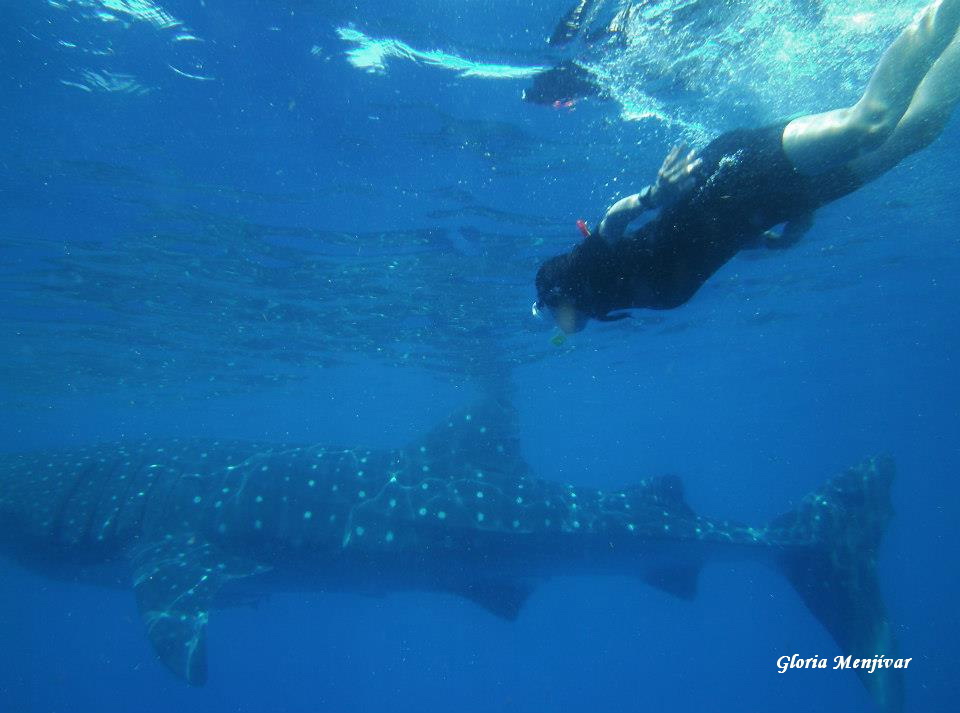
(479, 355)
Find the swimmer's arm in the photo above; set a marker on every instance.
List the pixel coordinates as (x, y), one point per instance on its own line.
(624, 212)
(676, 177)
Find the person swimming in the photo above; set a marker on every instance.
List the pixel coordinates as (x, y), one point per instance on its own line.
(566, 83)
(729, 196)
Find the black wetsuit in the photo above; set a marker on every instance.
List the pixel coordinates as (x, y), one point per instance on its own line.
(746, 185)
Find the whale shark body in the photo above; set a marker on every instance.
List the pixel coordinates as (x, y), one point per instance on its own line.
(193, 524)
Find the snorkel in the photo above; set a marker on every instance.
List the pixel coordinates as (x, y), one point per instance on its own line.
(582, 227)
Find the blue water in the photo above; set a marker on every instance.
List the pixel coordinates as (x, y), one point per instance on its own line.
(215, 224)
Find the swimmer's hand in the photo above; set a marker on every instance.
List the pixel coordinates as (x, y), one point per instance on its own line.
(677, 175)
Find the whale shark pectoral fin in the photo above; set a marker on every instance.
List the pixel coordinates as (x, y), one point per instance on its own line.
(679, 580)
(502, 598)
(176, 580)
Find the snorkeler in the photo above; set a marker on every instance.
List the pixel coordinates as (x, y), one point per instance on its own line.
(730, 195)
(562, 85)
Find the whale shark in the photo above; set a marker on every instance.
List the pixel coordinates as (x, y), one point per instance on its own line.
(196, 524)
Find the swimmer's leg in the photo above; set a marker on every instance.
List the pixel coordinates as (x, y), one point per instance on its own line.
(934, 102)
(820, 142)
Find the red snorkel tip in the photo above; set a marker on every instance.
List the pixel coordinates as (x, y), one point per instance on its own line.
(582, 227)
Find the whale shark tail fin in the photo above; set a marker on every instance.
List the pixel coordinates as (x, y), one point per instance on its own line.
(830, 545)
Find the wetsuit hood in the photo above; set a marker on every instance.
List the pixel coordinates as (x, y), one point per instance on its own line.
(572, 282)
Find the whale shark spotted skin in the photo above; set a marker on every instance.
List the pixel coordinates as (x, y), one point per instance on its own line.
(194, 523)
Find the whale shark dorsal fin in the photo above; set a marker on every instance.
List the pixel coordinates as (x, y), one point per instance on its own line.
(483, 437)
(176, 579)
(668, 487)
(663, 491)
